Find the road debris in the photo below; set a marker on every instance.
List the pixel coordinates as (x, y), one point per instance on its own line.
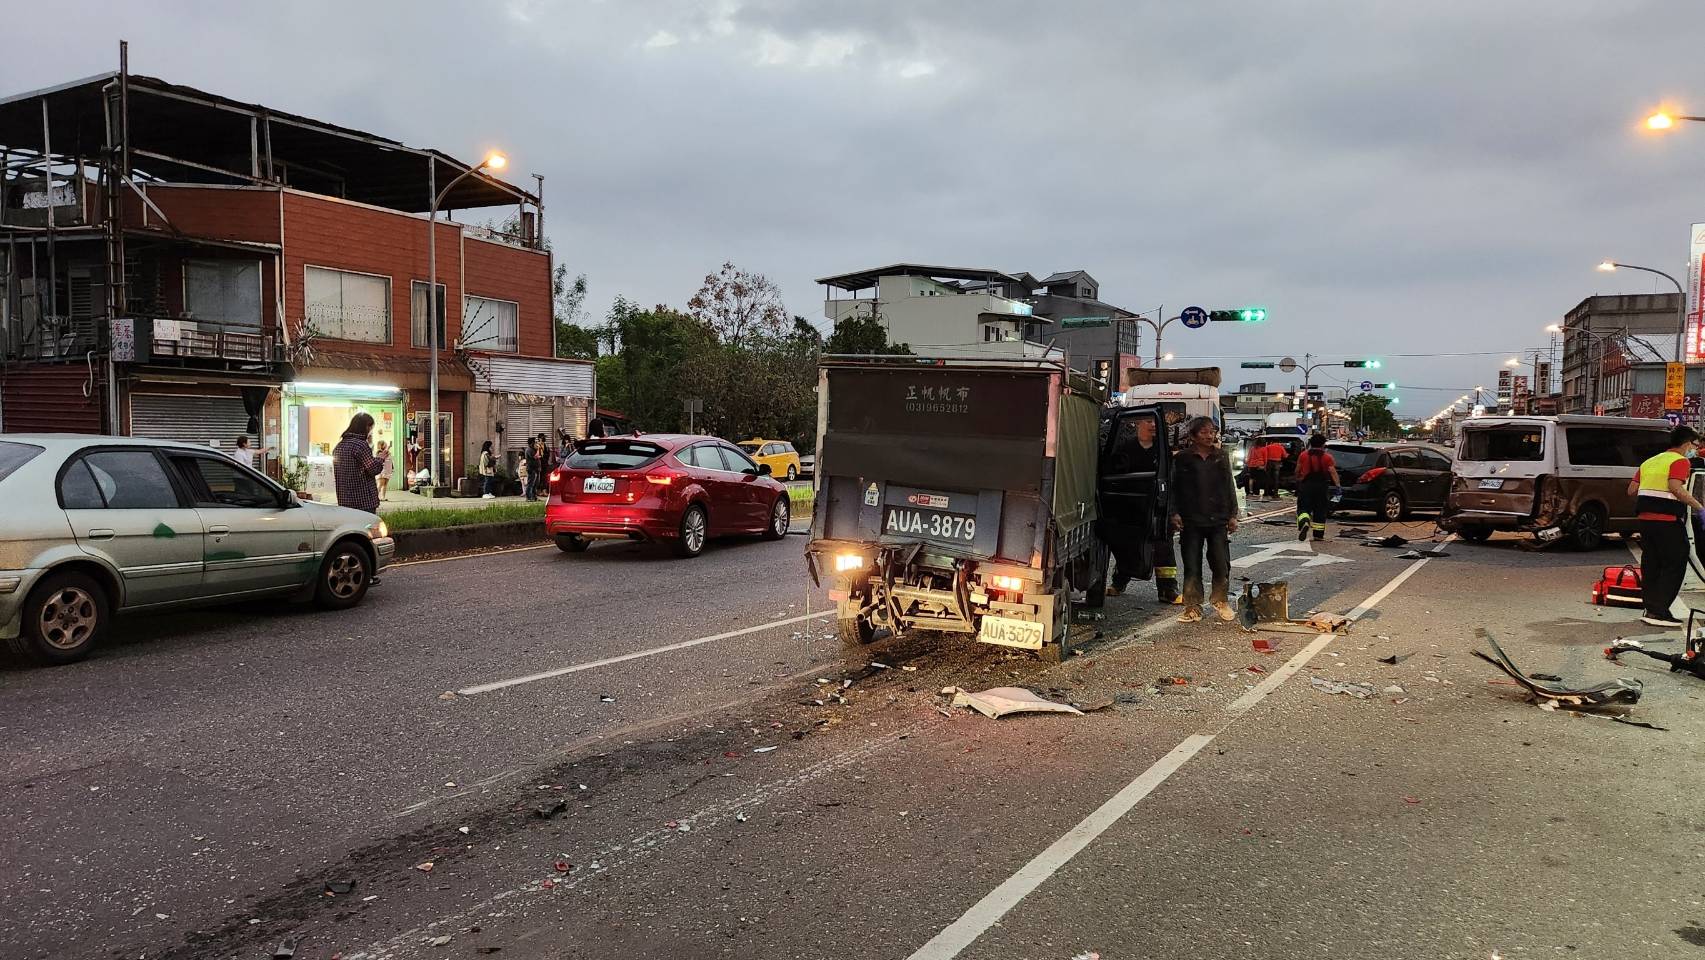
(1395, 658)
(1361, 691)
(464, 831)
(762, 749)
(338, 887)
(1394, 690)
(1268, 602)
(1392, 540)
(284, 949)
(1688, 661)
(1615, 692)
(447, 695)
(549, 810)
(425, 867)
(1264, 645)
(441, 941)
(606, 698)
(999, 701)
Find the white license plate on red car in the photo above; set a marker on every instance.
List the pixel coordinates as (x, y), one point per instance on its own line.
(598, 485)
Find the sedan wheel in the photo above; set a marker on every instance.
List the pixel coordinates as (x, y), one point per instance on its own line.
(781, 517)
(694, 526)
(344, 577)
(1391, 509)
(63, 618)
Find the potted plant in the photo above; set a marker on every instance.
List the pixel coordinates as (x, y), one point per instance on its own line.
(295, 474)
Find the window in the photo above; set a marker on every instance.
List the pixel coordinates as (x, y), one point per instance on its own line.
(1435, 462)
(223, 291)
(1526, 444)
(349, 306)
(613, 455)
(1595, 446)
(117, 480)
(417, 315)
(1406, 459)
(15, 455)
(224, 483)
(702, 456)
(489, 324)
(1353, 460)
(736, 461)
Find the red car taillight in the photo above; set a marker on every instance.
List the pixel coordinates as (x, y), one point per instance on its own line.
(554, 480)
(1371, 475)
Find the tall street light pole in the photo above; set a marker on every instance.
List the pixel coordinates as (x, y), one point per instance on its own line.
(1611, 266)
(493, 161)
(1662, 122)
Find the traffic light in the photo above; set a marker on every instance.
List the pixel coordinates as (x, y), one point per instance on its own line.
(1240, 315)
(1385, 386)
(1362, 364)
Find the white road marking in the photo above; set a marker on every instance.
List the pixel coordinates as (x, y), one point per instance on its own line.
(467, 556)
(1271, 551)
(988, 911)
(637, 655)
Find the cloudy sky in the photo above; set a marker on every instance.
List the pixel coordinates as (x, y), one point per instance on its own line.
(1386, 178)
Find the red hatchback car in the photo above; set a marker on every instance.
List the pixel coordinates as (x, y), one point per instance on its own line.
(663, 488)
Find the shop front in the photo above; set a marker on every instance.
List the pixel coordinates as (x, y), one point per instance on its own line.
(317, 414)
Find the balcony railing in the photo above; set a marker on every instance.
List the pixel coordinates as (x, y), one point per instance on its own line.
(197, 340)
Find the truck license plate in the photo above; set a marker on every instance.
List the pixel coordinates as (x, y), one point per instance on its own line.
(598, 485)
(1010, 633)
(1491, 483)
(932, 524)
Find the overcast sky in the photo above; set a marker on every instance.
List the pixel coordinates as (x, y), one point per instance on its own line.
(1386, 178)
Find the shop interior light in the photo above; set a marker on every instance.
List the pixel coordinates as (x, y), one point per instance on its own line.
(353, 389)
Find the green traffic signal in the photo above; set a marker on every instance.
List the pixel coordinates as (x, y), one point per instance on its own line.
(1252, 314)
(1240, 315)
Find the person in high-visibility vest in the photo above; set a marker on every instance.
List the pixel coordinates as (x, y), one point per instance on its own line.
(1663, 506)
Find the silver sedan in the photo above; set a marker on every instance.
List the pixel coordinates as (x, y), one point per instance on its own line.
(94, 526)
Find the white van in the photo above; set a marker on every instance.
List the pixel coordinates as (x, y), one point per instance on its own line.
(1553, 476)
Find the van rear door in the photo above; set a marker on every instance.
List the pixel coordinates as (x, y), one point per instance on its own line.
(1498, 467)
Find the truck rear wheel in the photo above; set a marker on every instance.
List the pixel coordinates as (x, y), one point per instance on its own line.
(855, 631)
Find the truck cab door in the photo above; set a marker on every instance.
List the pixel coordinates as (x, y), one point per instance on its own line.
(1132, 478)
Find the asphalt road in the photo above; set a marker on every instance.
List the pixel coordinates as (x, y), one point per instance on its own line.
(192, 791)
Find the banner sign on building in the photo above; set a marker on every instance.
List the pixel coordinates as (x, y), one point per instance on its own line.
(1675, 385)
(1503, 386)
(1696, 295)
(1542, 382)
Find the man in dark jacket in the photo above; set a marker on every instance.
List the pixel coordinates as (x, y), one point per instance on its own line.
(354, 466)
(1204, 513)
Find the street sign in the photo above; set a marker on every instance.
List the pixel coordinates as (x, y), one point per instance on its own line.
(1194, 317)
(1366, 385)
(1257, 364)
(1675, 385)
(1287, 365)
(1673, 418)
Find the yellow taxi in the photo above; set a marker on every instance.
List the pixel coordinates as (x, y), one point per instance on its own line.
(778, 455)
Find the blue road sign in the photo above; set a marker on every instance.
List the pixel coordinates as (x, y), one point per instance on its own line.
(1366, 385)
(1673, 418)
(1194, 317)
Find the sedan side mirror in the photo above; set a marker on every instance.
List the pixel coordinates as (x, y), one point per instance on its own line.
(764, 470)
(288, 500)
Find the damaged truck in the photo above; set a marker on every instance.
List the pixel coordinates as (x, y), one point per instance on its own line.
(963, 496)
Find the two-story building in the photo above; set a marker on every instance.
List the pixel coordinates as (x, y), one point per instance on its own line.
(1603, 336)
(178, 264)
(973, 311)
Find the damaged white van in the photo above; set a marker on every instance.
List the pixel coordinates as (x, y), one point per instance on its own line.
(1555, 477)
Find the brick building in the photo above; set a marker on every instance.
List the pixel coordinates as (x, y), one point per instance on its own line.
(216, 268)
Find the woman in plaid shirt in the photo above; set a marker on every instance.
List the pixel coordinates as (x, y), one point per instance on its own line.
(354, 466)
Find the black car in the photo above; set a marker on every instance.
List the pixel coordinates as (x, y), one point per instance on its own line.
(1391, 479)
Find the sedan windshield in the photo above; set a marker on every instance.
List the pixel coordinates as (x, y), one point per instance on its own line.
(614, 455)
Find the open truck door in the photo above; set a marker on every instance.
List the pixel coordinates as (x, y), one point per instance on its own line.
(1132, 481)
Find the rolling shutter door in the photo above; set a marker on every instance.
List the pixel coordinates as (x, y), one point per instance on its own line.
(522, 421)
(189, 419)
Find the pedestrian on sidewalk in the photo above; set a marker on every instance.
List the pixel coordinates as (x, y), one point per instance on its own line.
(488, 471)
(1317, 474)
(354, 466)
(1204, 515)
(1662, 506)
(383, 452)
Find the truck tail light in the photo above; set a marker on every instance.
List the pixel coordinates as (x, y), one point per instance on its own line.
(848, 561)
(1006, 583)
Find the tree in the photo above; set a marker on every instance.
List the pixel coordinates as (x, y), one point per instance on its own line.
(653, 347)
(568, 301)
(738, 305)
(862, 333)
(1372, 414)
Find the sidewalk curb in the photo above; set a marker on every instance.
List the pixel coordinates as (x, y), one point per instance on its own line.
(468, 536)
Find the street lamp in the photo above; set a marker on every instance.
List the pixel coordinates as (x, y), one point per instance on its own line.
(1513, 362)
(1610, 266)
(1167, 358)
(492, 161)
(1664, 120)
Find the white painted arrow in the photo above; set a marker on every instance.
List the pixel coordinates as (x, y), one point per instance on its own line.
(1272, 551)
(1321, 560)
